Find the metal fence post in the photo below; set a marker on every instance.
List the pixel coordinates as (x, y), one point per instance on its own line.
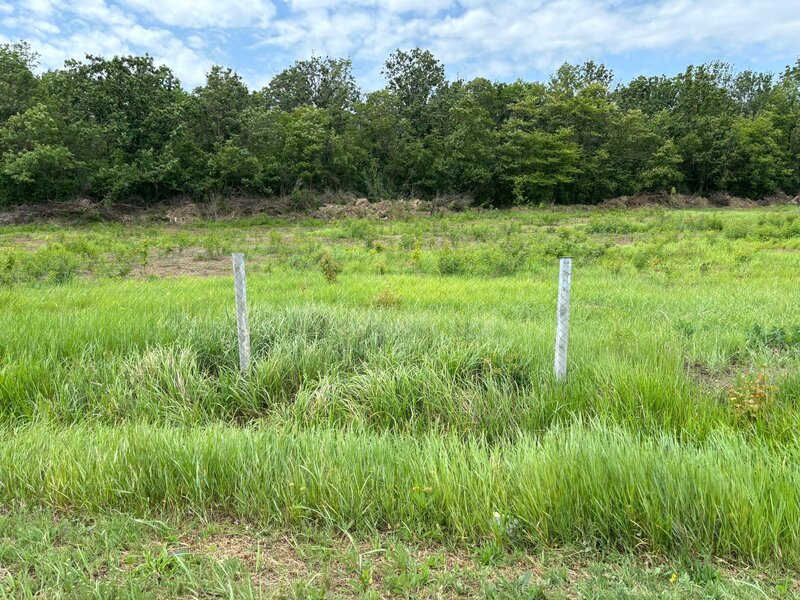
(562, 324)
(241, 311)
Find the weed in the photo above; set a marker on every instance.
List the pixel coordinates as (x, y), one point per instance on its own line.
(386, 299)
(776, 338)
(452, 263)
(751, 397)
(329, 266)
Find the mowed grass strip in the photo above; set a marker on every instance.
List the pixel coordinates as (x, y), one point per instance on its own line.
(593, 485)
(51, 554)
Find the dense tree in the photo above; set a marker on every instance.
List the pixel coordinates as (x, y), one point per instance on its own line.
(389, 140)
(35, 165)
(573, 79)
(414, 77)
(651, 95)
(129, 97)
(292, 148)
(750, 91)
(466, 160)
(537, 165)
(662, 169)
(325, 83)
(17, 81)
(219, 107)
(123, 129)
(756, 163)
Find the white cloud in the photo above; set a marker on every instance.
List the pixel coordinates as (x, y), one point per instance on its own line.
(97, 12)
(207, 13)
(195, 41)
(511, 38)
(40, 7)
(515, 35)
(74, 29)
(494, 38)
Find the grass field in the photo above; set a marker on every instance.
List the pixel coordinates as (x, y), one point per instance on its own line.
(400, 432)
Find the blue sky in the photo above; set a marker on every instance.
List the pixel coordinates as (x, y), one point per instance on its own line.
(499, 39)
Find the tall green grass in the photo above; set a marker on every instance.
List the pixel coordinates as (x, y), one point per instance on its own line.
(593, 485)
(166, 352)
(417, 397)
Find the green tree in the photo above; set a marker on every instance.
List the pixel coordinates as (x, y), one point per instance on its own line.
(123, 111)
(292, 148)
(219, 107)
(18, 84)
(571, 79)
(651, 95)
(784, 109)
(395, 151)
(700, 123)
(414, 77)
(535, 165)
(466, 160)
(586, 111)
(123, 129)
(756, 163)
(662, 169)
(231, 168)
(751, 91)
(324, 83)
(127, 96)
(35, 165)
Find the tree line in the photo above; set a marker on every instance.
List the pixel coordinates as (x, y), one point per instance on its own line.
(124, 130)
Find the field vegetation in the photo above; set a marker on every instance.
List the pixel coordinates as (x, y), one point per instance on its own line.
(400, 432)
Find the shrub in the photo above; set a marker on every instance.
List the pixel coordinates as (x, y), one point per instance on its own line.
(751, 396)
(499, 262)
(386, 299)
(329, 267)
(452, 263)
(52, 264)
(736, 230)
(776, 338)
(416, 254)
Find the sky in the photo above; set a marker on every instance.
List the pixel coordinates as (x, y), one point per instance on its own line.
(498, 39)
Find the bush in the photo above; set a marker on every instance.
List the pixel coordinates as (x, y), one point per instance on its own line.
(452, 263)
(386, 299)
(52, 264)
(329, 267)
(776, 338)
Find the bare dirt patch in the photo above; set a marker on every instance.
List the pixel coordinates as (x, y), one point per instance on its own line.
(625, 240)
(24, 243)
(275, 563)
(717, 199)
(726, 377)
(715, 379)
(326, 206)
(384, 209)
(185, 211)
(192, 262)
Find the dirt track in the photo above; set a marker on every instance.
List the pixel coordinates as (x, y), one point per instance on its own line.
(184, 211)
